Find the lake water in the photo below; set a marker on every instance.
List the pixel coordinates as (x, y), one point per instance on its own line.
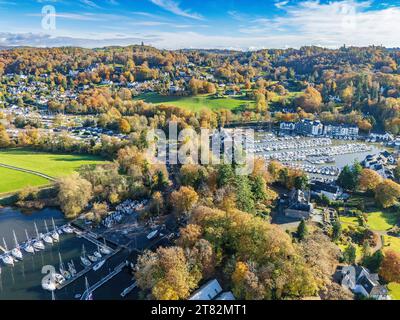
(23, 280)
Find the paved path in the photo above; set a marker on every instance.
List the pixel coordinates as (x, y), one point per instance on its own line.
(27, 171)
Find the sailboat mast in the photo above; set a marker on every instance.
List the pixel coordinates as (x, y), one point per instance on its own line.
(15, 239)
(36, 229)
(5, 244)
(27, 236)
(45, 225)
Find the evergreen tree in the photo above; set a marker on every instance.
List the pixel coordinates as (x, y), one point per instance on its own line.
(302, 230)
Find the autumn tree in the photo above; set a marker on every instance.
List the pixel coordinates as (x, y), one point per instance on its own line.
(369, 180)
(183, 200)
(387, 193)
(74, 194)
(4, 138)
(166, 273)
(310, 100)
(390, 267)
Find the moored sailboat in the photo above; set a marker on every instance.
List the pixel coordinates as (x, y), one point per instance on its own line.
(16, 252)
(38, 243)
(28, 245)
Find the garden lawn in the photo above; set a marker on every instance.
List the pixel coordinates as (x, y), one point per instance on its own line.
(197, 103)
(394, 290)
(12, 180)
(381, 221)
(391, 243)
(349, 221)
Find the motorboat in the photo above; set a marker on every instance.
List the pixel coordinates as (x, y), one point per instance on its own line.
(28, 245)
(104, 249)
(68, 229)
(152, 234)
(98, 265)
(92, 258)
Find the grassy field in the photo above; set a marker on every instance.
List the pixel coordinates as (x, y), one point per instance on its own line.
(197, 103)
(394, 290)
(381, 221)
(54, 165)
(12, 180)
(392, 243)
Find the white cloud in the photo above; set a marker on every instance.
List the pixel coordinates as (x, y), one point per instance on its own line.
(173, 6)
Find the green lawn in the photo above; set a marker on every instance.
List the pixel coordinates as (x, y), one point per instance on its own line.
(394, 290)
(12, 180)
(54, 165)
(197, 103)
(349, 221)
(392, 243)
(381, 221)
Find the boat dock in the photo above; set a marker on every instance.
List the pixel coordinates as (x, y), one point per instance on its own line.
(108, 277)
(84, 271)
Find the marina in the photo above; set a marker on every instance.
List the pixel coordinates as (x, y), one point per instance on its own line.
(23, 279)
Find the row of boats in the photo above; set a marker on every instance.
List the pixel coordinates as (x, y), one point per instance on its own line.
(68, 272)
(294, 144)
(32, 245)
(328, 152)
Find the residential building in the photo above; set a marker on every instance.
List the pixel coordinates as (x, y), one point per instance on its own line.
(309, 127)
(360, 281)
(328, 189)
(211, 291)
(299, 205)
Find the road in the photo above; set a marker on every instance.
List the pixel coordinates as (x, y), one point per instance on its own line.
(39, 174)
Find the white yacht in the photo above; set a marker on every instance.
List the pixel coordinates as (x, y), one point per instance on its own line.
(38, 244)
(16, 252)
(58, 278)
(71, 268)
(85, 261)
(28, 245)
(64, 272)
(92, 258)
(7, 259)
(54, 234)
(47, 238)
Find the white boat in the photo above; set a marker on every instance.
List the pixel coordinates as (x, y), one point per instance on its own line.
(104, 249)
(28, 245)
(54, 234)
(65, 273)
(71, 268)
(152, 234)
(38, 244)
(58, 278)
(68, 229)
(85, 261)
(97, 253)
(98, 265)
(47, 238)
(7, 259)
(92, 258)
(16, 252)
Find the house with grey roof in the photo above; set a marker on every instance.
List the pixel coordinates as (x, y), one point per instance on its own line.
(360, 281)
(212, 290)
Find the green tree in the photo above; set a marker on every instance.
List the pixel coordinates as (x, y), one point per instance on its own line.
(349, 254)
(336, 230)
(302, 230)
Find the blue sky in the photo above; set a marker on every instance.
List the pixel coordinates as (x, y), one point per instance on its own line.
(174, 24)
